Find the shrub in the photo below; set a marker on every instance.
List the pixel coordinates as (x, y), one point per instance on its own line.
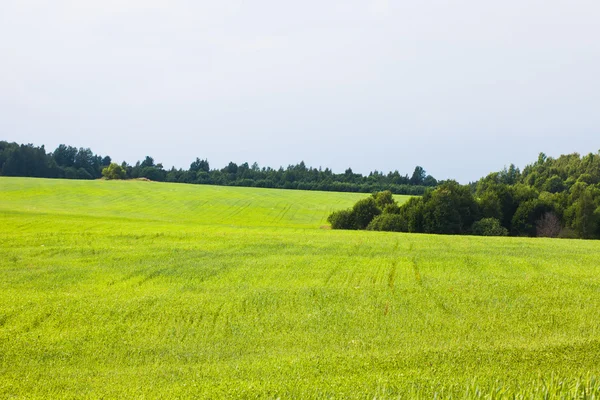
(383, 199)
(364, 211)
(388, 222)
(391, 209)
(449, 209)
(343, 219)
(412, 213)
(568, 233)
(114, 171)
(489, 227)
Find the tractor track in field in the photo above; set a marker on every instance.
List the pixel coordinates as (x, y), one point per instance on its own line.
(239, 210)
(152, 275)
(231, 211)
(37, 322)
(282, 213)
(213, 326)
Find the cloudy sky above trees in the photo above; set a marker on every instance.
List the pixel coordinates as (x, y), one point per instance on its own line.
(459, 87)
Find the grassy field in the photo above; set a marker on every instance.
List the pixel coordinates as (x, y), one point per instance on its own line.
(149, 290)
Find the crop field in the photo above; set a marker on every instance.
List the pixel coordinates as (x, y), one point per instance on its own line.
(151, 290)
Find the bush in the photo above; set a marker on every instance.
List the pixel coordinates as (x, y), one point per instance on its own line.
(568, 233)
(391, 209)
(489, 227)
(526, 216)
(382, 199)
(449, 209)
(343, 219)
(114, 171)
(389, 223)
(364, 211)
(412, 213)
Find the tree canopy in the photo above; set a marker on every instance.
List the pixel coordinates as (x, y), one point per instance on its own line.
(72, 163)
(550, 198)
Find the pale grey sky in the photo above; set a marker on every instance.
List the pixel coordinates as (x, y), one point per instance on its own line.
(459, 87)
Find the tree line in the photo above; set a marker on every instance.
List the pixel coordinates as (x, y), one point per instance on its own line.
(550, 197)
(81, 163)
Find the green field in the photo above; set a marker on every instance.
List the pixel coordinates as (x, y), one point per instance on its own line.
(151, 290)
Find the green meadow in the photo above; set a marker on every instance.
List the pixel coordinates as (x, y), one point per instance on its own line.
(153, 290)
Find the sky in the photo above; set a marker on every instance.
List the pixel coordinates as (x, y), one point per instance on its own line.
(461, 88)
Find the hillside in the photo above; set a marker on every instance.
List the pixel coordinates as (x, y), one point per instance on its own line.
(155, 290)
(151, 202)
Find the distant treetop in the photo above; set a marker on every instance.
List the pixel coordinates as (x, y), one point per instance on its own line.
(72, 163)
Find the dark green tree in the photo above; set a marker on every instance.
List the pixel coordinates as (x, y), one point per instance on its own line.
(64, 156)
(200, 165)
(586, 214)
(343, 219)
(364, 211)
(418, 176)
(525, 218)
(388, 223)
(148, 162)
(449, 209)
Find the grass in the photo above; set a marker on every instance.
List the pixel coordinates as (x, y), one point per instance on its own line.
(149, 290)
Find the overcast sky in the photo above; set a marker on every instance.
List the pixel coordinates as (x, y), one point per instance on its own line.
(462, 88)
